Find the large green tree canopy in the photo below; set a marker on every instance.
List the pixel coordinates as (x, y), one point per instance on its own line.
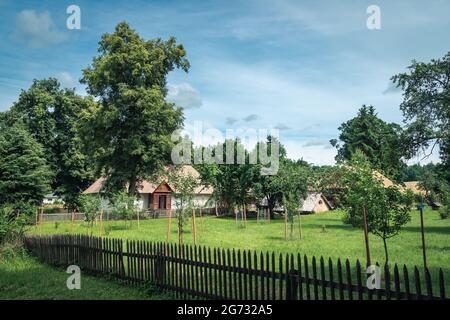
(426, 107)
(129, 131)
(52, 115)
(24, 174)
(378, 140)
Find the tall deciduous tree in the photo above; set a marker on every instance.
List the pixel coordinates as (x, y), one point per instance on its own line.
(129, 131)
(52, 115)
(426, 107)
(378, 140)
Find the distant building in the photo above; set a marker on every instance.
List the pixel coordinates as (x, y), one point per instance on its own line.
(414, 187)
(161, 195)
(315, 202)
(52, 199)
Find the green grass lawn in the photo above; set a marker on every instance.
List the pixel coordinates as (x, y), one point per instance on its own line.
(23, 277)
(323, 235)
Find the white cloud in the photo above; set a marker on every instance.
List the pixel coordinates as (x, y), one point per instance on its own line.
(250, 117)
(37, 29)
(317, 155)
(317, 143)
(66, 80)
(230, 120)
(281, 127)
(184, 95)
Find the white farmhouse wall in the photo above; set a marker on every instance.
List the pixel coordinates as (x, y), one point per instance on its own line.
(199, 201)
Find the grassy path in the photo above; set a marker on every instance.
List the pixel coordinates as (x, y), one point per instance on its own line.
(23, 277)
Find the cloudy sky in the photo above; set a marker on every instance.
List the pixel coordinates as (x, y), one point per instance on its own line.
(302, 67)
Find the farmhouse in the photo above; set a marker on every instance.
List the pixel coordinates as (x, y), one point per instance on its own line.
(161, 195)
(315, 202)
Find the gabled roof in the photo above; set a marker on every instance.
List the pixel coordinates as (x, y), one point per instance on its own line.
(150, 187)
(312, 199)
(414, 186)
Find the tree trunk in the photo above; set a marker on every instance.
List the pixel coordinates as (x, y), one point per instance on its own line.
(385, 251)
(292, 230)
(271, 206)
(285, 225)
(132, 185)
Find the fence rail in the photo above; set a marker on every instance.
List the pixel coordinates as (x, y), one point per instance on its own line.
(148, 214)
(199, 271)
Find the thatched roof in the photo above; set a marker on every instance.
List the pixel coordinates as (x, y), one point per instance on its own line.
(151, 186)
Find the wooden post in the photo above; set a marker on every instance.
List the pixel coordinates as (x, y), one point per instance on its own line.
(42, 216)
(285, 224)
(366, 235)
(71, 221)
(257, 215)
(37, 215)
(299, 225)
(201, 219)
(195, 226)
(101, 222)
(245, 214)
(168, 226)
(423, 238)
(137, 214)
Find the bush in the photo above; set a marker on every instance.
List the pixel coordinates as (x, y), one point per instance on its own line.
(444, 212)
(90, 205)
(12, 224)
(124, 206)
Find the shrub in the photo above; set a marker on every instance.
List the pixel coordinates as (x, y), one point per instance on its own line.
(12, 224)
(444, 212)
(90, 205)
(124, 206)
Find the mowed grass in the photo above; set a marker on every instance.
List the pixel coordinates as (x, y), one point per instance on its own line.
(25, 278)
(323, 235)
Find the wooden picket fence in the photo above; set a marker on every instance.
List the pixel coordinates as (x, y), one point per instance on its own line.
(201, 272)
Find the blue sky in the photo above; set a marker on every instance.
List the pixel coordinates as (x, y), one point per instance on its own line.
(303, 67)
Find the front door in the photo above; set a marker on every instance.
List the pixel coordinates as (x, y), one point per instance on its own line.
(162, 202)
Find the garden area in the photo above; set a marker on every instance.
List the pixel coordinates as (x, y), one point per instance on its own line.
(322, 235)
(23, 277)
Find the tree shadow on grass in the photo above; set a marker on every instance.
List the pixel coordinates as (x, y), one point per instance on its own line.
(442, 230)
(331, 226)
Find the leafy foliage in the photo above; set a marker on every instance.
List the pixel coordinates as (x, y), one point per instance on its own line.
(90, 206)
(387, 209)
(184, 185)
(426, 107)
(294, 189)
(52, 115)
(124, 206)
(378, 140)
(24, 175)
(11, 224)
(129, 131)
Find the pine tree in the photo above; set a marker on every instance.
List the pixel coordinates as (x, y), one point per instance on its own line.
(24, 174)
